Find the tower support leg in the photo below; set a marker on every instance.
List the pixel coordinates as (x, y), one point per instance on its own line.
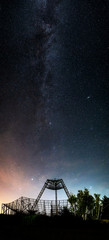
(56, 201)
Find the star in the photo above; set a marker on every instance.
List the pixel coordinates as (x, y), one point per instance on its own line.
(88, 97)
(50, 123)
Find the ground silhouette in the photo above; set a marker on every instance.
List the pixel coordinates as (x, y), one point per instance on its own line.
(20, 227)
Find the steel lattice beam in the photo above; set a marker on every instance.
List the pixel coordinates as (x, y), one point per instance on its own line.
(29, 205)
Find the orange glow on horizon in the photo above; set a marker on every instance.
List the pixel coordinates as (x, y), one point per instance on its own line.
(15, 182)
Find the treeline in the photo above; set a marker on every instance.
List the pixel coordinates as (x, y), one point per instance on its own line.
(89, 207)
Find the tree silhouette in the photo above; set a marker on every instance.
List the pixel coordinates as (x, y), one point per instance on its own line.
(97, 205)
(73, 201)
(83, 204)
(105, 202)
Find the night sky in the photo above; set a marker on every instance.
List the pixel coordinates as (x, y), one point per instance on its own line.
(54, 96)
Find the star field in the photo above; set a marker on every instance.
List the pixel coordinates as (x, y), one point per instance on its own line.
(54, 96)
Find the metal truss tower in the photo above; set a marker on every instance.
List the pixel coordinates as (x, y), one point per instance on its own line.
(53, 184)
(29, 205)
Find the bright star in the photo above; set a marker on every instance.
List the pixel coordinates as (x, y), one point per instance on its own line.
(88, 97)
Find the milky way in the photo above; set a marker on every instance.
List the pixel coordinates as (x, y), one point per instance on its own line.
(54, 95)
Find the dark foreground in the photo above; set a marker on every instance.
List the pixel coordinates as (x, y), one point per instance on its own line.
(42, 227)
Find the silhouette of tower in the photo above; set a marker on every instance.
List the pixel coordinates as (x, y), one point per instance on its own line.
(52, 184)
(34, 206)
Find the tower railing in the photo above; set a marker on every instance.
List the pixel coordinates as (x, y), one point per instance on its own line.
(30, 205)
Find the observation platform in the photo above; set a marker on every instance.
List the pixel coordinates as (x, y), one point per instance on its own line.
(24, 205)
